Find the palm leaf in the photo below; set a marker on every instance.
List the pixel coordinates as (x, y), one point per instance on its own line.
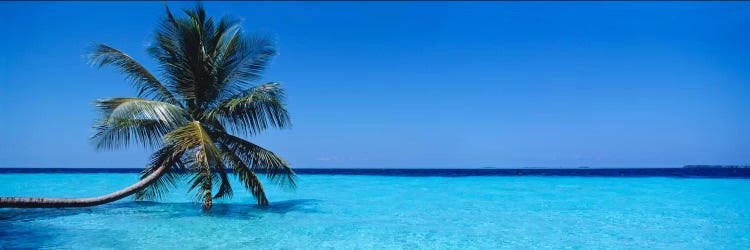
(242, 60)
(139, 76)
(119, 132)
(260, 159)
(194, 137)
(166, 156)
(225, 188)
(133, 119)
(246, 176)
(170, 49)
(137, 108)
(254, 111)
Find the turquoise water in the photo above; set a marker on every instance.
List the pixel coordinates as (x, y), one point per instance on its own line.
(378, 212)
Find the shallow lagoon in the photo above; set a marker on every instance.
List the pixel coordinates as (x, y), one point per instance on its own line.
(366, 212)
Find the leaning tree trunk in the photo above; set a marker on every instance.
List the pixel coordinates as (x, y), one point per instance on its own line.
(27, 202)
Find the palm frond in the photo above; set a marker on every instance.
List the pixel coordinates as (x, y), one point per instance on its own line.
(242, 60)
(202, 179)
(193, 136)
(259, 50)
(246, 176)
(146, 83)
(254, 111)
(166, 156)
(221, 39)
(260, 159)
(137, 108)
(225, 188)
(171, 51)
(117, 132)
(193, 37)
(127, 120)
(204, 60)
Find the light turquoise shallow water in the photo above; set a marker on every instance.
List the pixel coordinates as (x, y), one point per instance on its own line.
(377, 212)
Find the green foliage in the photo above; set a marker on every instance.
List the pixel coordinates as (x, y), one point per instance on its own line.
(205, 92)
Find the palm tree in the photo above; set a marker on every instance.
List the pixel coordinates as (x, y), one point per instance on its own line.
(204, 95)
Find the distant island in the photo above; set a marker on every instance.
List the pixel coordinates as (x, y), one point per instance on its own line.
(716, 166)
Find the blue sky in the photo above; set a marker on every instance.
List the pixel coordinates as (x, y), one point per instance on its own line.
(399, 85)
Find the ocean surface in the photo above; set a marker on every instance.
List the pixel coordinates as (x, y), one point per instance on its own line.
(335, 210)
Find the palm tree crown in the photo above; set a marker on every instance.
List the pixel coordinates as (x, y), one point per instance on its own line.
(205, 93)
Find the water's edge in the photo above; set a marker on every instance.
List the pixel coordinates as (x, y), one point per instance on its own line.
(600, 172)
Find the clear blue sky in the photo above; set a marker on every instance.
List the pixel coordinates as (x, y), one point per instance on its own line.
(389, 84)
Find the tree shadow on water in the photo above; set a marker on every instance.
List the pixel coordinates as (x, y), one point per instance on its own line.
(299, 205)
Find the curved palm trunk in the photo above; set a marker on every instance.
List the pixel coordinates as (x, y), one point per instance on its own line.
(27, 202)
